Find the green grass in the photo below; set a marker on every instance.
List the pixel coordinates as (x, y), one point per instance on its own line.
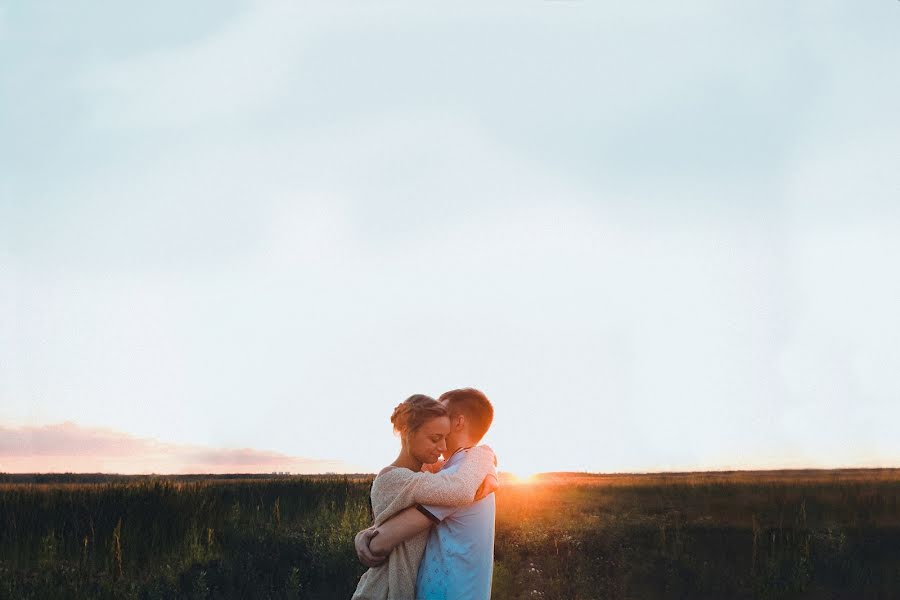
(280, 538)
(828, 534)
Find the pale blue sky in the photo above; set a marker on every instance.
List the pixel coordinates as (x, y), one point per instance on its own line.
(658, 236)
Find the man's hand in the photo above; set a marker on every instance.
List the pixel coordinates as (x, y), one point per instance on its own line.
(365, 554)
(488, 486)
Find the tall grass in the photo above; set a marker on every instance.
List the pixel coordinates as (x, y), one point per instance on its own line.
(160, 538)
(571, 536)
(760, 535)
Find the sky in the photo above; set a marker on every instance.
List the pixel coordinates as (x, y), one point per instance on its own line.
(233, 236)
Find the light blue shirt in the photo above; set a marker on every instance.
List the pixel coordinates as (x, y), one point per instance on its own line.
(459, 559)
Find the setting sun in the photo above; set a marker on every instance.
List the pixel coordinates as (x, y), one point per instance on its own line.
(521, 477)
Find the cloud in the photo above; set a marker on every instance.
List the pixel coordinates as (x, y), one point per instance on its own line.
(592, 207)
(69, 447)
(230, 74)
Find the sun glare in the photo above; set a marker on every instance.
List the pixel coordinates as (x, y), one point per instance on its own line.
(522, 477)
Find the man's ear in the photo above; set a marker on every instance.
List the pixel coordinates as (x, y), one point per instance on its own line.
(460, 422)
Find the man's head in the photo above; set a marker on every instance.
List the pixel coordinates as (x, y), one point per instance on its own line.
(471, 415)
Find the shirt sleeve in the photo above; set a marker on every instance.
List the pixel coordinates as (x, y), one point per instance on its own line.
(431, 516)
(437, 513)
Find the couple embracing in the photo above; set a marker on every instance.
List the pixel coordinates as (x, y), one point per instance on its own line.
(433, 535)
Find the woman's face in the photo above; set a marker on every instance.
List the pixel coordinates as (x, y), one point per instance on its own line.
(429, 441)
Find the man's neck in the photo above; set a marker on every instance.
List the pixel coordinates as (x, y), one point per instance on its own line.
(463, 443)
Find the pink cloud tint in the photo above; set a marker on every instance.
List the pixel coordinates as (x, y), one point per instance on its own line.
(68, 447)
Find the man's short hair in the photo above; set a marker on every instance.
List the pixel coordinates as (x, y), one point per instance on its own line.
(474, 405)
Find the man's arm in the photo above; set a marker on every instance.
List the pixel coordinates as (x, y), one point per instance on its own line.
(399, 528)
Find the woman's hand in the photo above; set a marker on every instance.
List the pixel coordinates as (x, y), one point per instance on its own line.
(488, 486)
(433, 467)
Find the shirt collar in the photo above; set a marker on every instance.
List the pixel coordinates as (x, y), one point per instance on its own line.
(458, 450)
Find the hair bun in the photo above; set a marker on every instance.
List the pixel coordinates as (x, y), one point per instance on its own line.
(410, 414)
(397, 415)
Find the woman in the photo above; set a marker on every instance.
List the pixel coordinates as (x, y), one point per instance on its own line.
(423, 425)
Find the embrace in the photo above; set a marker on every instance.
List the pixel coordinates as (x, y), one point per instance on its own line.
(433, 535)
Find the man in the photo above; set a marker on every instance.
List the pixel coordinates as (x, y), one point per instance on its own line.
(459, 559)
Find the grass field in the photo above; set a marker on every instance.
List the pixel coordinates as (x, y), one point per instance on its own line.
(782, 534)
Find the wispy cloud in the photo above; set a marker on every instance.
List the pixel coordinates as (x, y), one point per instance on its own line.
(69, 447)
(237, 70)
(676, 222)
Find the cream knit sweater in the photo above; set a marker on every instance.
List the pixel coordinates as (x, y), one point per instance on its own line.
(395, 489)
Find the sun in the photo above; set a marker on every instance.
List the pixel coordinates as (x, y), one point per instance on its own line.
(522, 477)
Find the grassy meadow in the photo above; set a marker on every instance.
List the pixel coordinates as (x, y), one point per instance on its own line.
(780, 534)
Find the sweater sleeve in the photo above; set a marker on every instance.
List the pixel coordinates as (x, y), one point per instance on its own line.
(456, 487)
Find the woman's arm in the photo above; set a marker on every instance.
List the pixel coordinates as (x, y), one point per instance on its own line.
(433, 467)
(457, 487)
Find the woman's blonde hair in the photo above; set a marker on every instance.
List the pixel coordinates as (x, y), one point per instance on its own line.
(413, 412)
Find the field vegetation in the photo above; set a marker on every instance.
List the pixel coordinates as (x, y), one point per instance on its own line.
(780, 534)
